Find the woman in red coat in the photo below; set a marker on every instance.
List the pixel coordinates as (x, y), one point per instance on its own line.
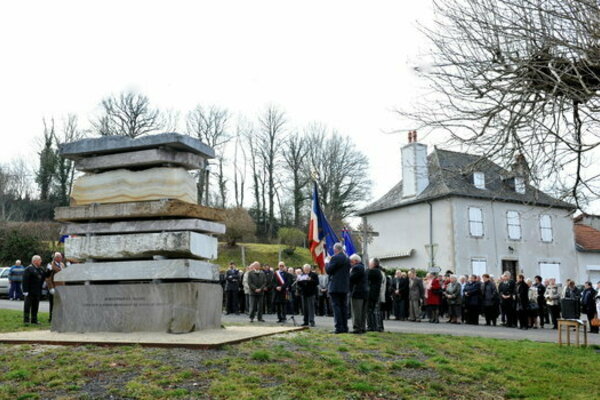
(433, 298)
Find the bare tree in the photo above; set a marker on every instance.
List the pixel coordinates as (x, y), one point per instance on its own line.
(47, 158)
(294, 154)
(128, 114)
(271, 136)
(516, 77)
(340, 170)
(240, 162)
(65, 169)
(210, 126)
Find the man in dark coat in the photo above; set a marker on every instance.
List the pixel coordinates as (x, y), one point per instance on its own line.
(376, 283)
(358, 294)
(338, 270)
(506, 289)
(307, 284)
(281, 283)
(269, 305)
(490, 300)
(33, 281)
(472, 293)
(232, 288)
(257, 283)
(400, 293)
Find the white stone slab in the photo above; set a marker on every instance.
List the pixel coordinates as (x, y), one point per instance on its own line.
(140, 270)
(141, 159)
(166, 225)
(122, 185)
(142, 245)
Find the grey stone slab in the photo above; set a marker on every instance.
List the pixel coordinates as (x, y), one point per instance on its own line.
(141, 245)
(138, 209)
(179, 307)
(141, 159)
(165, 225)
(119, 144)
(140, 270)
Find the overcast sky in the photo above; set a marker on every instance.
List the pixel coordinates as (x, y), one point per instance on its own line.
(346, 64)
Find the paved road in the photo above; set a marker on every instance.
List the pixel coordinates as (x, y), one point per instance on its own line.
(538, 335)
(326, 323)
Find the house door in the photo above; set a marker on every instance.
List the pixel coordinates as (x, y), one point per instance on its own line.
(510, 266)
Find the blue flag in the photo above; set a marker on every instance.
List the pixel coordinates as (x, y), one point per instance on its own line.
(348, 244)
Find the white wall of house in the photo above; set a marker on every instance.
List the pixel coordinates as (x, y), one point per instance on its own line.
(534, 256)
(407, 228)
(589, 266)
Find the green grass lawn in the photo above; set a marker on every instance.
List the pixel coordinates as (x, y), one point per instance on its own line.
(264, 253)
(304, 365)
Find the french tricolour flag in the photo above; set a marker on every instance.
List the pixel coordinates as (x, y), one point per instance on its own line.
(320, 235)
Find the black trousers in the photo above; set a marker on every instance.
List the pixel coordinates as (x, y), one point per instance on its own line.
(508, 312)
(374, 316)
(523, 318)
(324, 305)
(491, 314)
(280, 307)
(555, 314)
(472, 314)
(31, 307)
(232, 301)
(339, 301)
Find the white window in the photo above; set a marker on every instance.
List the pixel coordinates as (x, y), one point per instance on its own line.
(546, 228)
(476, 221)
(479, 266)
(550, 270)
(513, 223)
(520, 184)
(479, 180)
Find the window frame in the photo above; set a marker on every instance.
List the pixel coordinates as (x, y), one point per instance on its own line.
(480, 260)
(546, 228)
(479, 180)
(509, 225)
(471, 222)
(520, 186)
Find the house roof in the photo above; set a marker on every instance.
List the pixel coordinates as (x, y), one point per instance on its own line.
(587, 238)
(451, 174)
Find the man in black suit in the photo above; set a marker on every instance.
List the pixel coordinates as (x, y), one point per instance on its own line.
(232, 287)
(358, 294)
(281, 283)
(338, 270)
(33, 281)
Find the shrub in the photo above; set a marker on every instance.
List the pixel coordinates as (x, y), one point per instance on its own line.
(292, 238)
(240, 226)
(15, 244)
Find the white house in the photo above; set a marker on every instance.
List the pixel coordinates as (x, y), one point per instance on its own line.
(462, 212)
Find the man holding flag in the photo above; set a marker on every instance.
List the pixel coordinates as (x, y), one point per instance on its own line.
(338, 270)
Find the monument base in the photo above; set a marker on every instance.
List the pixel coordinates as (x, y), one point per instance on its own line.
(178, 307)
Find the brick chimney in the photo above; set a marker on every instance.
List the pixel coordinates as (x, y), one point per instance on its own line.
(415, 176)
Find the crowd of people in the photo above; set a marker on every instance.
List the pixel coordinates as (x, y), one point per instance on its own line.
(29, 284)
(366, 294)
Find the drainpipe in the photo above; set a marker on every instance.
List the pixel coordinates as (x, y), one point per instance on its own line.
(432, 256)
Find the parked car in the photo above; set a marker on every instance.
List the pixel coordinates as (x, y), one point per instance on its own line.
(4, 285)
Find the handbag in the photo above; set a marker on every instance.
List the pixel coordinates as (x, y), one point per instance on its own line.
(595, 322)
(533, 306)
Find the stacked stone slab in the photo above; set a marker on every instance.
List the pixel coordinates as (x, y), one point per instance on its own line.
(140, 244)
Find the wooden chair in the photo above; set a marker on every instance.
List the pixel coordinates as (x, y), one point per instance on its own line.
(574, 324)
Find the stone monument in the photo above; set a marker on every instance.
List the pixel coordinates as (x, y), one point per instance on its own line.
(139, 242)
